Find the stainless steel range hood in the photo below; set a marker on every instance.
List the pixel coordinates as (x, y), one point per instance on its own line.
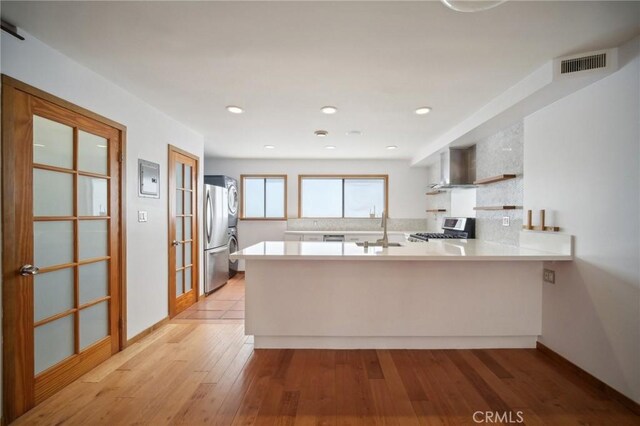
(457, 168)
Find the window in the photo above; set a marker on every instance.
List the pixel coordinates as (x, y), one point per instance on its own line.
(324, 196)
(264, 196)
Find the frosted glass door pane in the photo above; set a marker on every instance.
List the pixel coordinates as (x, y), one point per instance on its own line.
(253, 197)
(187, 202)
(92, 239)
(52, 243)
(92, 153)
(52, 143)
(187, 254)
(187, 177)
(179, 277)
(92, 196)
(54, 341)
(94, 324)
(93, 281)
(322, 198)
(187, 228)
(179, 234)
(275, 198)
(179, 202)
(52, 193)
(52, 293)
(363, 196)
(179, 175)
(187, 280)
(179, 256)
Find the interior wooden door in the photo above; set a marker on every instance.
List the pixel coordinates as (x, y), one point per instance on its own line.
(183, 230)
(61, 239)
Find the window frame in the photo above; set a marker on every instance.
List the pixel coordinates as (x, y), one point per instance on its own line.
(264, 177)
(385, 178)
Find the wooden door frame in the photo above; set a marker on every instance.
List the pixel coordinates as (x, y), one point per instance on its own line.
(195, 247)
(15, 399)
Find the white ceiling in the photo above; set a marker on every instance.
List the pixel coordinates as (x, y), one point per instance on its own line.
(282, 61)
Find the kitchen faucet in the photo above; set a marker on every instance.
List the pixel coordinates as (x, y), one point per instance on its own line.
(385, 238)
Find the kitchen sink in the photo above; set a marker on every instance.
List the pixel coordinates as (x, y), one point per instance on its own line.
(376, 244)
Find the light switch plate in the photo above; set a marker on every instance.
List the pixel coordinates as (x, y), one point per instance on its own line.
(549, 276)
(505, 221)
(142, 216)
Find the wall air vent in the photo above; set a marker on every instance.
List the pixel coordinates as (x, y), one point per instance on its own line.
(584, 63)
(599, 62)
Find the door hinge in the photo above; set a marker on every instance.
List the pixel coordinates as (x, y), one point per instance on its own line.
(121, 157)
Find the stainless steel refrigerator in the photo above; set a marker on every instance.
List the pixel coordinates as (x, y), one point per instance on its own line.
(216, 240)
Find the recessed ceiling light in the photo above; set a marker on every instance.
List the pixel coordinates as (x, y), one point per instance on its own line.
(39, 145)
(321, 133)
(269, 147)
(423, 110)
(392, 147)
(329, 147)
(329, 109)
(354, 133)
(101, 146)
(234, 109)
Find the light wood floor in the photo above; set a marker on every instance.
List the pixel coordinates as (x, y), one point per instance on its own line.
(225, 303)
(197, 372)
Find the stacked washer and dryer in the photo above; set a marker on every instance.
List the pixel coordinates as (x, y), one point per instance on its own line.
(220, 230)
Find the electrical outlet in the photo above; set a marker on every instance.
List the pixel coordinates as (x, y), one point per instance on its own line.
(549, 276)
(142, 216)
(505, 221)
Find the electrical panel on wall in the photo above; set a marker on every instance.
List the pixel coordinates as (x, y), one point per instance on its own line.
(149, 174)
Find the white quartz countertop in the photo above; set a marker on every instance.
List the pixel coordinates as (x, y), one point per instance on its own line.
(349, 232)
(453, 250)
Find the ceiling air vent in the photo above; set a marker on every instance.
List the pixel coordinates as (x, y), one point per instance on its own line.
(587, 63)
(584, 63)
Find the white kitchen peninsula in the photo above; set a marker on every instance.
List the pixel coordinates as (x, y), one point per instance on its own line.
(438, 294)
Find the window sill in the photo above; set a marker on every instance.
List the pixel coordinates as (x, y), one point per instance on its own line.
(281, 219)
(340, 218)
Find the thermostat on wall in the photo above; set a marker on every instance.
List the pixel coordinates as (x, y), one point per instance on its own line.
(149, 173)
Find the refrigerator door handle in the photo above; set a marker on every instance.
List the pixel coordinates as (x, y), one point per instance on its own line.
(208, 222)
(217, 249)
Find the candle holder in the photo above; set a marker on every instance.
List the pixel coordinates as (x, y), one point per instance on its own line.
(542, 226)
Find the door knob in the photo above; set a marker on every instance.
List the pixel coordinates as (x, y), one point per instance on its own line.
(175, 243)
(27, 270)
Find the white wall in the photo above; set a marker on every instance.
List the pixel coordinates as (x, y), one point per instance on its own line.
(407, 187)
(582, 161)
(149, 132)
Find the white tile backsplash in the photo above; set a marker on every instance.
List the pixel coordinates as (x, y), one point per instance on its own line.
(501, 153)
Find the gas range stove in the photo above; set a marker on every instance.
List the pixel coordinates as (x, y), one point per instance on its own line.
(453, 227)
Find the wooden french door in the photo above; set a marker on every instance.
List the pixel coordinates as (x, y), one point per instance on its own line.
(183, 230)
(61, 245)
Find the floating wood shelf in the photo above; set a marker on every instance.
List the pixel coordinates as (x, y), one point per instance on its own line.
(436, 211)
(542, 228)
(435, 192)
(498, 208)
(494, 179)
